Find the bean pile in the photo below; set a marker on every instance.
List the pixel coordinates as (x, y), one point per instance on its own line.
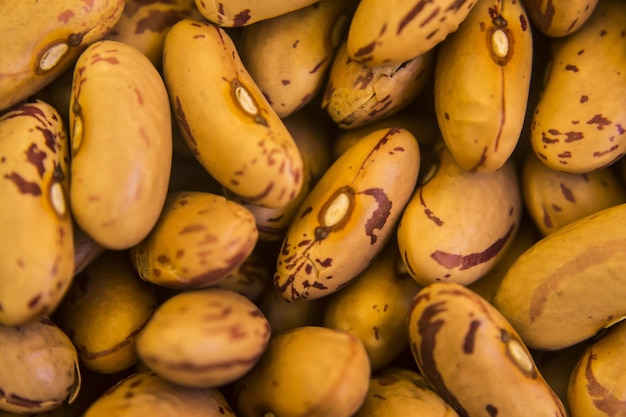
(325, 208)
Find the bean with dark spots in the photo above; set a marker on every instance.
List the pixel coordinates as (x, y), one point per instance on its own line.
(238, 338)
(24, 186)
(343, 208)
(456, 334)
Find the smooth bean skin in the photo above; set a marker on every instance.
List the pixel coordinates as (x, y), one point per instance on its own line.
(570, 284)
(397, 391)
(313, 142)
(198, 240)
(121, 135)
(144, 24)
(314, 371)
(374, 307)
(290, 64)
(555, 198)
(103, 311)
(597, 384)
(488, 284)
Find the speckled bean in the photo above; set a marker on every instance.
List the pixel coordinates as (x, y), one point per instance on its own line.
(481, 111)
(458, 223)
(356, 94)
(356, 204)
(198, 240)
(121, 134)
(578, 124)
(288, 56)
(474, 358)
(308, 371)
(45, 39)
(557, 18)
(389, 32)
(225, 119)
(554, 198)
(35, 219)
(204, 338)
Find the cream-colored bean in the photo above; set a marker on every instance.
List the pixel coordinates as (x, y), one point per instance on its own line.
(458, 223)
(225, 119)
(306, 371)
(198, 240)
(570, 284)
(204, 338)
(120, 129)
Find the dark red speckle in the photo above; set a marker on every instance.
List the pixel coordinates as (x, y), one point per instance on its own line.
(99, 58)
(380, 215)
(600, 121)
(65, 16)
(429, 212)
(241, 18)
(470, 337)
(366, 50)
(25, 187)
(32, 303)
(573, 136)
(36, 158)
(463, 262)
(428, 325)
(567, 193)
(523, 22)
